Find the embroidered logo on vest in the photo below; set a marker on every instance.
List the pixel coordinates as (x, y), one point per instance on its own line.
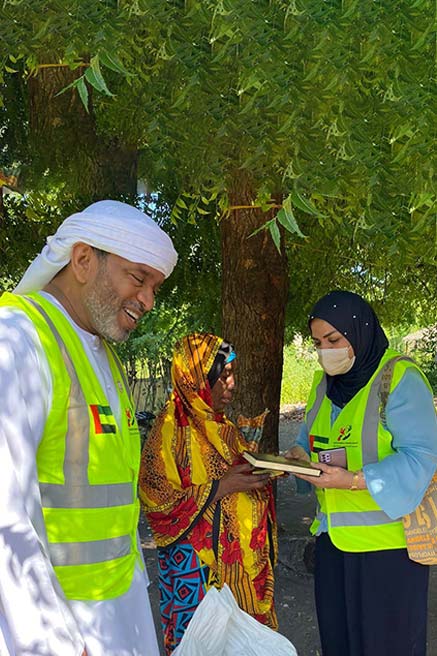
(345, 433)
(130, 418)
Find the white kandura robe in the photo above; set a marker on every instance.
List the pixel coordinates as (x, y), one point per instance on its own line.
(35, 617)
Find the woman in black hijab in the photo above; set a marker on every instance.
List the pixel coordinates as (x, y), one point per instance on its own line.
(370, 426)
(353, 318)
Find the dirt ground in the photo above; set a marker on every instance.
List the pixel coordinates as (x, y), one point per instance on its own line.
(294, 581)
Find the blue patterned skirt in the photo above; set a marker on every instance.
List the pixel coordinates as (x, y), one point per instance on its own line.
(182, 586)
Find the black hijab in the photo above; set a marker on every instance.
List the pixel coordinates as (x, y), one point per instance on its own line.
(352, 316)
(225, 354)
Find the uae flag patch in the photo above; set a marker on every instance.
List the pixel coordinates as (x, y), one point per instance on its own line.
(104, 421)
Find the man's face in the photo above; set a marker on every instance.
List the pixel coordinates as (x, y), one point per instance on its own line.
(223, 389)
(119, 295)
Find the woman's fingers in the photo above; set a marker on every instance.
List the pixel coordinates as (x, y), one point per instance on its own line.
(298, 453)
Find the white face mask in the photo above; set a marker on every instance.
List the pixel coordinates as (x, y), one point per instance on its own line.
(335, 361)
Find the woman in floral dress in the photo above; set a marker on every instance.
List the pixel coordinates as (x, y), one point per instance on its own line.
(213, 520)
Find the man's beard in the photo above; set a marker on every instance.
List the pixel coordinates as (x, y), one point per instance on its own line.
(103, 307)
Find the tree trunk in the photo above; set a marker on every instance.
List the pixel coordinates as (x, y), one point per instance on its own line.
(254, 295)
(66, 143)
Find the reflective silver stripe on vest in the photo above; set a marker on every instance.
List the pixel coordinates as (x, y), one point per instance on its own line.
(369, 434)
(120, 370)
(77, 438)
(89, 496)
(87, 553)
(362, 518)
(320, 395)
(76, 491)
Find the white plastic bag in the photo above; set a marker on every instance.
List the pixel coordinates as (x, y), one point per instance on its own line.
(220, 628)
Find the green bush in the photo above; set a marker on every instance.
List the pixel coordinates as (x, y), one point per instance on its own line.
(425, 355)
(300, 362)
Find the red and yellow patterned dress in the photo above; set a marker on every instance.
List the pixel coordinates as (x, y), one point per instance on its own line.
(202, 542)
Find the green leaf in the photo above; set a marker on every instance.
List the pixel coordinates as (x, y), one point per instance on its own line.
(180, 97)
(175, 215)
(288, 220)
(267, 206)
(181, 203)
(402, 131)
(305, 205)
(265, 226)
(31, 214)
(421, 40)
(72, 85)
(276, 235)
(83, 92)
(95, 77)
(114, 63)
(350, 11)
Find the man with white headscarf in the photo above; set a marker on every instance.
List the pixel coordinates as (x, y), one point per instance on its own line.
(72, 578)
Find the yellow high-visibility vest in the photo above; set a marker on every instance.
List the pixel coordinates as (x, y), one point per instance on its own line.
(87, 467)
(355, 522)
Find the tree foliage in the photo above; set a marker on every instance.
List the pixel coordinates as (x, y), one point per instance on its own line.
(24, 227)
(425, 354)
(328, 109)
(333, 102)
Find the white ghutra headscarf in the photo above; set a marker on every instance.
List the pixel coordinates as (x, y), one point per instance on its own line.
(111, 226)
